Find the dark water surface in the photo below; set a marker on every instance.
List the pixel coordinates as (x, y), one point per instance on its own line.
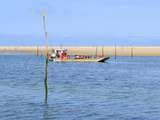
(128, 89)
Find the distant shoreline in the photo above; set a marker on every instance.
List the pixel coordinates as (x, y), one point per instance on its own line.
(86, 50)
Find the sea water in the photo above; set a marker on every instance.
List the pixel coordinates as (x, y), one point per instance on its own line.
(122, 89)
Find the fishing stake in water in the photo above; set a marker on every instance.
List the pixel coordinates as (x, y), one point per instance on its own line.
(131, 51)
(96, 52)
(115, 50)
(46, 57)
(102, 51)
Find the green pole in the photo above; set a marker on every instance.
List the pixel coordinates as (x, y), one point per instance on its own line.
(46, 59)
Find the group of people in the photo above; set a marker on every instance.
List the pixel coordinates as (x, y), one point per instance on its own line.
(82, 57)
(62, 54)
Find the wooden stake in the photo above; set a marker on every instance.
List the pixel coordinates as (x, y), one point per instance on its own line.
(132, 51)
(46, 59)
(115, 51)
(37, 51)
(102, 51)
(96, 51)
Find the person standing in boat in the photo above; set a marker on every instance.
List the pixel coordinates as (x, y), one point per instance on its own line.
(63, 55)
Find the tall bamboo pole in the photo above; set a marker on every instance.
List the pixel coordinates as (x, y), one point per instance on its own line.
(46, 58)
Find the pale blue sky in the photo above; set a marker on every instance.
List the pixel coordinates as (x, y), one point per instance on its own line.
(80, 22)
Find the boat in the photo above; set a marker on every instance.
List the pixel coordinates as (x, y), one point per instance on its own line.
(60, 55)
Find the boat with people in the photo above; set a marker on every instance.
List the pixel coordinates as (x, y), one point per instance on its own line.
(60, 55)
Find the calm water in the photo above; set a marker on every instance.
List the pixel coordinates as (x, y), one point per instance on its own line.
(128, 89)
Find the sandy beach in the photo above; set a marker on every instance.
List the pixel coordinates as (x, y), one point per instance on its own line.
(86, 50)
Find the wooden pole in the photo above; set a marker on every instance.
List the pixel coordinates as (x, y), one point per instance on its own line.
(132, 51)
(102, 51)
(96, 51)
(46, 59)
(37, 51)
(115, 51)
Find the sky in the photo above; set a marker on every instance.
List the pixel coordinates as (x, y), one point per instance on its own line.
(80, 22)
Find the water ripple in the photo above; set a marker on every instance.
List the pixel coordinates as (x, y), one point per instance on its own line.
(127, 89)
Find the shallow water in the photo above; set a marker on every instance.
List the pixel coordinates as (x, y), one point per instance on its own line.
(125, 89)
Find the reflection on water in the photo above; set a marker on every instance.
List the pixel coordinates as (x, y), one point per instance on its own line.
(125, 89)
(46, 115)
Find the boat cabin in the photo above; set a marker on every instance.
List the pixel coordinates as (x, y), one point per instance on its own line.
(58, 54)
